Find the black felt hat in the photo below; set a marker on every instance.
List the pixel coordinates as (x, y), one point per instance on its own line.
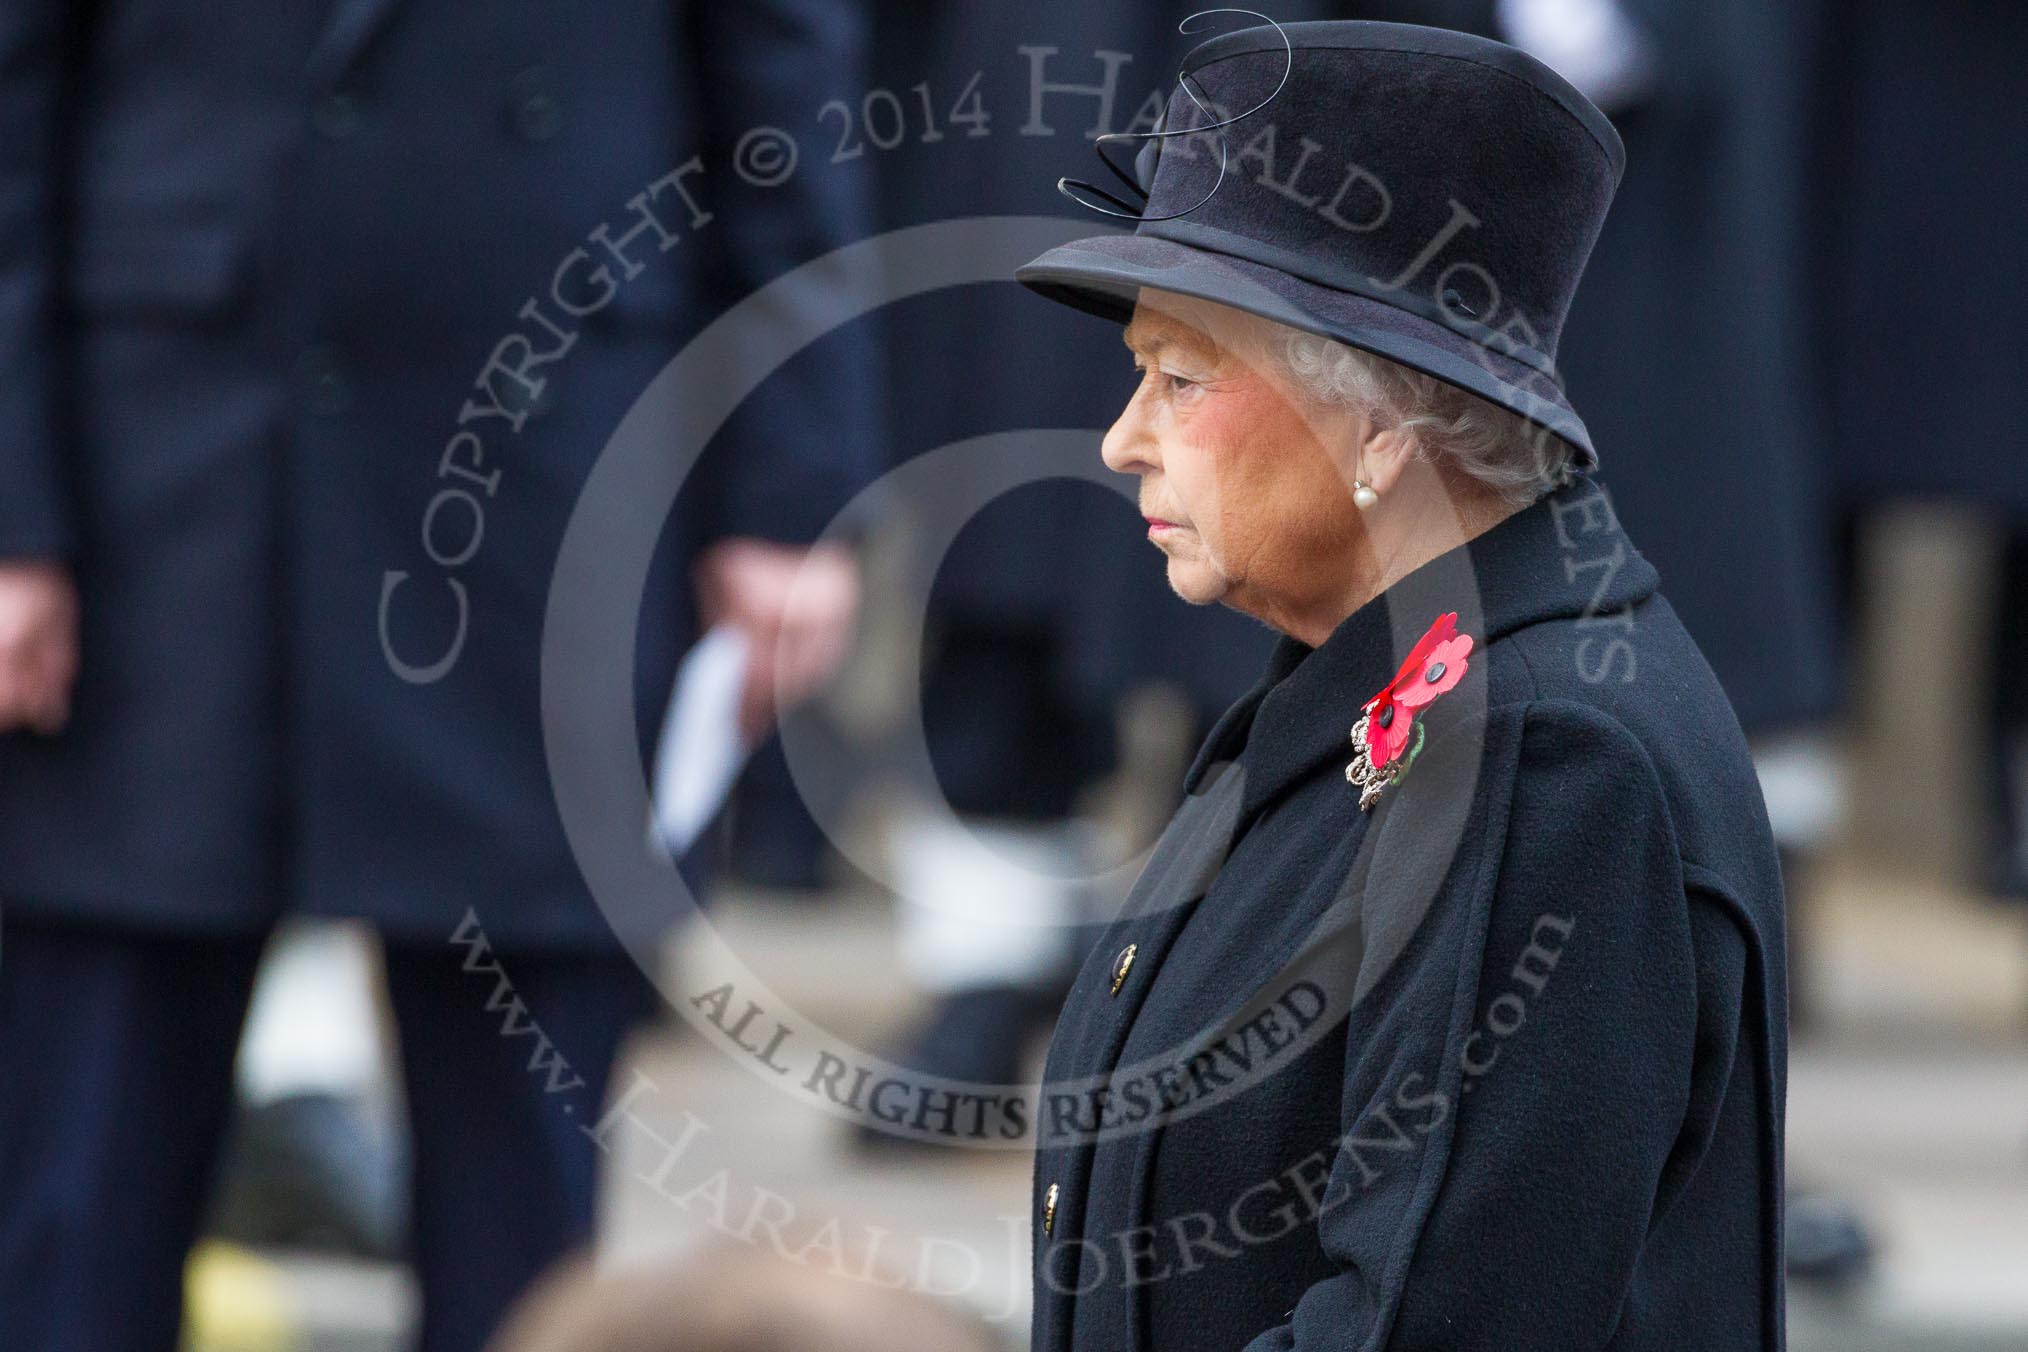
(1422, 194)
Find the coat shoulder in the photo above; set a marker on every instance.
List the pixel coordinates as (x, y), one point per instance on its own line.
(1638, 675)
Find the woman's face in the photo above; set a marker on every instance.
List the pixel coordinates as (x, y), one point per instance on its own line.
(1247, 488)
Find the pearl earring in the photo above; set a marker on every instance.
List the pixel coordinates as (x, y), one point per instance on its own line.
(1363, 496)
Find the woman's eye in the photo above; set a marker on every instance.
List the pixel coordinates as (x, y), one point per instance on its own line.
(1169, 382)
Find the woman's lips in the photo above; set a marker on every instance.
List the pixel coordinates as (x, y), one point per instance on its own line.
(1156, 524)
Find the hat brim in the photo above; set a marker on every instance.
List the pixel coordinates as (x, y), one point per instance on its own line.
(1104, 275)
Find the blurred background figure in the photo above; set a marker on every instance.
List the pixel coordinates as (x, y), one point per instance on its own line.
(1920, 197)
(313, 318)
(1043, 637)
(1019, 702)
(732, 1298)
(1917, 204)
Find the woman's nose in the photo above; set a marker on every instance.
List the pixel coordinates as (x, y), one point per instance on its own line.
(1127, 448)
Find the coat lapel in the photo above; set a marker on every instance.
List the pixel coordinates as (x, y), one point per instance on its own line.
(349, 29)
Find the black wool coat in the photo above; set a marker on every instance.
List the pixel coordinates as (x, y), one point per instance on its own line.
(1499, 1063)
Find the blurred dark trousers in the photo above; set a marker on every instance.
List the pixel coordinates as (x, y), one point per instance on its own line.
(116, 1081)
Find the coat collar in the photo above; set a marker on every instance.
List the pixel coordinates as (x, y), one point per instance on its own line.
(1563, 557)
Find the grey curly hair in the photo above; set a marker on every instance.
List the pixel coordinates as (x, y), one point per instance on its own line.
(1514, 458)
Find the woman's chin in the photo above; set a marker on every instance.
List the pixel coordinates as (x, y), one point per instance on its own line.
(1195, 583)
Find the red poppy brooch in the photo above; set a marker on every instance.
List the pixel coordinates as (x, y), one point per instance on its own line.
(1388, 738)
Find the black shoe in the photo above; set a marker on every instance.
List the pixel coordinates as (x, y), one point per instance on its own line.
(313, 1171)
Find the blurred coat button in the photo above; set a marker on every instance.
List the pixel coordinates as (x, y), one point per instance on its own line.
(536, 114)
(326, 393)
(1049, 1209)
(335, 116)
(1123, 964)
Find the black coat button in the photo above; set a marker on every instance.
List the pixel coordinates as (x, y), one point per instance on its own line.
(336, 116)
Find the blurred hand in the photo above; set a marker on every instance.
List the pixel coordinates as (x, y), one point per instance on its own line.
(797, 607)
(38, 646)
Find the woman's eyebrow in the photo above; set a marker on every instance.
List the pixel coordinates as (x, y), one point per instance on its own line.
(1189, 341)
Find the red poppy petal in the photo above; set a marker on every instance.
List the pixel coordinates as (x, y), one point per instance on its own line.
(1445, 628)
(1376, 737)
(1452, 654)
(1384, 744)
(1398, 735)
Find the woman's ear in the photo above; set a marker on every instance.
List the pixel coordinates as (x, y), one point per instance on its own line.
(1341, 430)
(1384, 457)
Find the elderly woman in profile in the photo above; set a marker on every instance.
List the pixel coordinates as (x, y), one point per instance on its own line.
(1449, 1011)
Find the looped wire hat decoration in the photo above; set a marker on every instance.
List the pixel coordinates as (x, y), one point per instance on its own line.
(1144, 174)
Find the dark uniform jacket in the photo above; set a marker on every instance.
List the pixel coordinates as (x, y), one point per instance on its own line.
(314, 316)
(1919, 123)
(1497, 1064)
(1704, 244)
